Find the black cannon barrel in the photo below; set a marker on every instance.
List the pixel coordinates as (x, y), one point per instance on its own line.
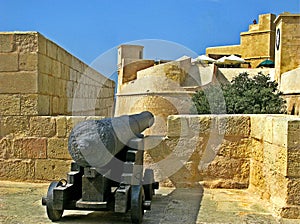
(96, 142)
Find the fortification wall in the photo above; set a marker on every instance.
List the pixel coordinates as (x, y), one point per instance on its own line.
(261, 152)
(41, 86)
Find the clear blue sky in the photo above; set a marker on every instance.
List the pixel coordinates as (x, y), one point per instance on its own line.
(88, 28)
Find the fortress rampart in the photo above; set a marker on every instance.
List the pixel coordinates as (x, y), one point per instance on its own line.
(44, 92)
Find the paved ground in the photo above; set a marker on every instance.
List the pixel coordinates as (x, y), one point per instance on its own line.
(21, 203)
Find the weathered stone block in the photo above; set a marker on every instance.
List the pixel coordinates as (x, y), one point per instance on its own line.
(42, 126)
(257, 177)
(257, 151)
(43, 105)
(53, 169)
(234, 125)
(64, 57)
(26, 42)
(45, 64)
(21, 82)
(257, 126)
(30, 148)
(42, 44)
(77, 65)
(9, 104)
(293, 138)
(28, 62)
(29, 104)
(6, 43)
(234, 170)
(14, 125)
(43, 83)
(268, 129)
(51, 49)
(290, 212)
(61, 126)
(9, 62)
(293, 189)
(275, 159)
(16, 169)
(201, 125)
(293, 169)
(277, 185)
(72, 121)
(58, 148)
(177, 126)
(6, 148)
(280, 131)
(234, 147)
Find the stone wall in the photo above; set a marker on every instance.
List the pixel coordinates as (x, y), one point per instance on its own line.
(35, 148)
(40, 85)
(212, 149)
(261, 152)
(275, 163)
(37, 77)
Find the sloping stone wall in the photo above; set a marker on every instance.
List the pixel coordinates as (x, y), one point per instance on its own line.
(41, 87)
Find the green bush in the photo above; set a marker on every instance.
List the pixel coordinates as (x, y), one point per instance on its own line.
(244, 95)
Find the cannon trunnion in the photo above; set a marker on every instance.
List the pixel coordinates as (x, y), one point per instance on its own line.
(120, 184)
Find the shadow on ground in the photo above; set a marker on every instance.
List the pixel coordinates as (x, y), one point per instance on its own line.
(174, 206)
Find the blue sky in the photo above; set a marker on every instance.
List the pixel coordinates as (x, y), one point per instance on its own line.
(89, 28)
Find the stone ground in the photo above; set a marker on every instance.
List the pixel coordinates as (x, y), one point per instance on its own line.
(21, 203)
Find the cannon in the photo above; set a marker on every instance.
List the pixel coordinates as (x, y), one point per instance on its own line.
(107, 173)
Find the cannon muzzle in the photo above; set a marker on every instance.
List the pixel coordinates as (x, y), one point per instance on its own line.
(95, 142)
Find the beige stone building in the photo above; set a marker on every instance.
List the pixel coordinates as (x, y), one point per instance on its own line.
(256, 44)
(277, 39)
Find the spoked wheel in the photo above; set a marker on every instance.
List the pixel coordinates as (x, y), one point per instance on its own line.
(148, 184)
(137, 200)
(53, 214)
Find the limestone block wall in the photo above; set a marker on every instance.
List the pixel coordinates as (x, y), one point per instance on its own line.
(261, 152)
(275, 163)
(35, 148)
(37, 77)
(213, 149)
(41, 86)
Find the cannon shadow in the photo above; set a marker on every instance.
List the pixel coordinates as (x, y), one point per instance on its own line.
(180, 205)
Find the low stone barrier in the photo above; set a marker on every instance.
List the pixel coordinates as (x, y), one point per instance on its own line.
(261, 152)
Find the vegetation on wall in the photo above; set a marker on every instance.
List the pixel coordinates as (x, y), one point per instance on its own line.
(244, 95)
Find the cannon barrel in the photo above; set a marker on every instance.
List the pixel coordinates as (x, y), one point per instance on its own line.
(96, 142)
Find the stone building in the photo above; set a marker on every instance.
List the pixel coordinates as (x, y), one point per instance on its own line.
(277, 39)
(162, 87)
(256, 44)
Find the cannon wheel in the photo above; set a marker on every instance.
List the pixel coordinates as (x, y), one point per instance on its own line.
(148, 186)
(53, 214)
(137, 200)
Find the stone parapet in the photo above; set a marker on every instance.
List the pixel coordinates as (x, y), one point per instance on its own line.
(259, 152)
(36, 149)
(40, 78)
